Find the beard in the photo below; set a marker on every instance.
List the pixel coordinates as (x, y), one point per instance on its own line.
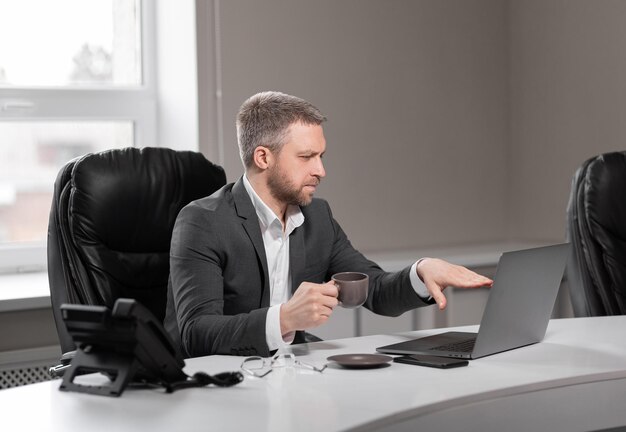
(286, 191)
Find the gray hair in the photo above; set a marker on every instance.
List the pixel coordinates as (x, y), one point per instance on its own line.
(264, 120)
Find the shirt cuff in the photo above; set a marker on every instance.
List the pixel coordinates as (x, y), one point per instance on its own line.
(273, 336)
(416, 282)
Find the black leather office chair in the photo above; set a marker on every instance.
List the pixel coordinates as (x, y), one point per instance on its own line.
(111, 223)
(596, 225)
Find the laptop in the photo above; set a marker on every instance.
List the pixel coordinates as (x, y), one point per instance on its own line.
(517, 312)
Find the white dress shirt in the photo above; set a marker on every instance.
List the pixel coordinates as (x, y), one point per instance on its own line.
(276, 243)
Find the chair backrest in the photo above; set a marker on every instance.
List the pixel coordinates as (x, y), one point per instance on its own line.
(596, 225)
(111, 223)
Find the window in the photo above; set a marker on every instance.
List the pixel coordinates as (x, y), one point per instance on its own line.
(75, 77)
(70, 43)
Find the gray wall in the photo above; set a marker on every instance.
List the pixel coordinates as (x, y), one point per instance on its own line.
(416, 93)
(461, 121)
(568, 102)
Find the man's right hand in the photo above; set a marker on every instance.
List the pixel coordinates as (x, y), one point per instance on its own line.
(310, 307)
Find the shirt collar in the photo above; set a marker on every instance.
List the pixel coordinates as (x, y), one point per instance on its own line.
(266, 215)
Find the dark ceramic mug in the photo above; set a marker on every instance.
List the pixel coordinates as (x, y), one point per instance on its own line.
(353, 288)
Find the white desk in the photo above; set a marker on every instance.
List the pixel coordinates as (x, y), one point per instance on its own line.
(555, 385)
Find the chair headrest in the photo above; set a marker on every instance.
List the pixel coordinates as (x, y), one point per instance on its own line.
(128, 199)
(605, 193)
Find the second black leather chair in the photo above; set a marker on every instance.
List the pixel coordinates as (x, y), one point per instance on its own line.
(596, 225)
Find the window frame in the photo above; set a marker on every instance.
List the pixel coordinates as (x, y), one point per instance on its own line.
(137, 104)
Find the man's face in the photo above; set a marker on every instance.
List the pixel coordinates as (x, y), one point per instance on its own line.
(298, 167)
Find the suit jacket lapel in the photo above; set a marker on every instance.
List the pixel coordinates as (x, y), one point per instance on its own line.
(297, 265)
(250, 222)
(297, 256)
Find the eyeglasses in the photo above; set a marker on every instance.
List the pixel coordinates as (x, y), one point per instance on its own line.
(259, 366)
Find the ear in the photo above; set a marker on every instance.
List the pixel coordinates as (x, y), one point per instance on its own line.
(262, 157)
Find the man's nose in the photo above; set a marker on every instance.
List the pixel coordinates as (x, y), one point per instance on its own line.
(319, 169)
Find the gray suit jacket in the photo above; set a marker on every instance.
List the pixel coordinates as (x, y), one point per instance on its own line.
(219, 288)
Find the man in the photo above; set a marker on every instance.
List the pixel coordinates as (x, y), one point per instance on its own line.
(250, 265)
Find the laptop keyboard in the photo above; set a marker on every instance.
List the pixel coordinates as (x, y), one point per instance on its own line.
(461, 346)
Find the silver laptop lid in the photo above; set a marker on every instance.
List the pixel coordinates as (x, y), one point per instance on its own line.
(521, 300)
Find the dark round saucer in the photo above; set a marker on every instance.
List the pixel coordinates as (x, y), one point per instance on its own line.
(360, 361)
